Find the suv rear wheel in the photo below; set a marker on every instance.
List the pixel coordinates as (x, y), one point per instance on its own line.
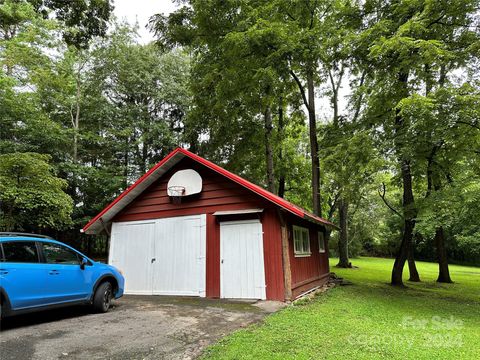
(103, 297)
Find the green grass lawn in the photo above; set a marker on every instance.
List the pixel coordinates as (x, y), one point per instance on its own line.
(371, 320)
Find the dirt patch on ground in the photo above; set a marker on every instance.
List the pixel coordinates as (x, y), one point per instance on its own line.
(138, 327)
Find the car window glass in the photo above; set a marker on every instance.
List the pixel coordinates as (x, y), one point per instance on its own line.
(20, 251)
(57, 254)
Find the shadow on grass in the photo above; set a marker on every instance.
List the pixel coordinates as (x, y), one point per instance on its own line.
(421, 295)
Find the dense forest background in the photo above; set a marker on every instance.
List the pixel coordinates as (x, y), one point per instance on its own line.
(365, 112)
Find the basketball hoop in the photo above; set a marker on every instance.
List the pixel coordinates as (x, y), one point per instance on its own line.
(183, 183)
(176, 193)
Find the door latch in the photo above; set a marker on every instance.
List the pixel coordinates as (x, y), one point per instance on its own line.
(153, 260)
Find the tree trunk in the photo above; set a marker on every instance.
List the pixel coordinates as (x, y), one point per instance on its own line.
(343, 239)
(408, 202)
(281, 176)
(409, 225)
(75, 145)
(268, 149)
(76, 130)
(335, 85)
(309, 101)
(125, 162)
(443, 271)
(312, 122)
(143, 165)
(433, 183)
(412, 267)
(76, 119)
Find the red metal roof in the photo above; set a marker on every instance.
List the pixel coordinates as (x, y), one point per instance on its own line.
(170, 160)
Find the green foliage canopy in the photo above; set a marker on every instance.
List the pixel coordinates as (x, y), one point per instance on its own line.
(31, 196)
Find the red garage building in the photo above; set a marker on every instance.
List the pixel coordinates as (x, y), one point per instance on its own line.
(189, 227)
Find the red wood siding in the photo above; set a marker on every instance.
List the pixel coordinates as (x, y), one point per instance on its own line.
(218, 194)
(213, 257)
(309, 271)
(272, 247)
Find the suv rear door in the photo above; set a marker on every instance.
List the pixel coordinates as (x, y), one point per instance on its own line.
(65, 280)
(21, 274)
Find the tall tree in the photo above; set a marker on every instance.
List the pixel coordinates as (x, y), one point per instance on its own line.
(88, 109)
(336, 60)
(229, 104)
(403, 37)
(287, 36)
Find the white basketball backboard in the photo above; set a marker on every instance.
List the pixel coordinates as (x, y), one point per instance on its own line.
(189, 179)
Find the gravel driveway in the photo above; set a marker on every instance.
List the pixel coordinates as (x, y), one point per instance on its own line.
(138, 327)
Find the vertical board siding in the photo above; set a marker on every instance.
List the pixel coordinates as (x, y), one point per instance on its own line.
(242, 260)
(181, 263)
(309, 271)
(158, 265)
(272, 245)
(136, 265)
(213, 257)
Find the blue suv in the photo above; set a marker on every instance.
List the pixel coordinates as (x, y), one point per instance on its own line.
(37, 272)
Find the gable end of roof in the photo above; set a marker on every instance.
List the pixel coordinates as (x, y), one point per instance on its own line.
(97, 223)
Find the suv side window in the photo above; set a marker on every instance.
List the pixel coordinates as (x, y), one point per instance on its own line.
(20, 252)
(58, 254)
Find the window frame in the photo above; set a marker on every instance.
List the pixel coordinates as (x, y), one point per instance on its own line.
(4, 257)
(301, 252)
(321, 235)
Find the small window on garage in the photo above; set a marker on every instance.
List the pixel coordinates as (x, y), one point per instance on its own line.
(301, 241)
(20, 252)
(321, 241)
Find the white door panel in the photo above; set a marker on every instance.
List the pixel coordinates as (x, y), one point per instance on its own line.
(242, 273)
(180, 263)
(131, 249)
(163, 256)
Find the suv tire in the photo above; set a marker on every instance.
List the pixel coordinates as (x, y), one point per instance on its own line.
(103, 297)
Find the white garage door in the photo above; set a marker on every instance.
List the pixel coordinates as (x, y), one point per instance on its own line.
(162, 257)
(242, 272)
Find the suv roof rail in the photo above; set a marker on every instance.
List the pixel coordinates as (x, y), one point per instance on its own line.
(24, 234)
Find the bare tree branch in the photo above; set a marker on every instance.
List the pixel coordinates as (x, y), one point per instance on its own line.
(359, 102)
(333, 205)
(382, 195)
(300, 86)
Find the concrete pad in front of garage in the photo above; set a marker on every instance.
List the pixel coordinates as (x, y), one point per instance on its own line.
(137, 327)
